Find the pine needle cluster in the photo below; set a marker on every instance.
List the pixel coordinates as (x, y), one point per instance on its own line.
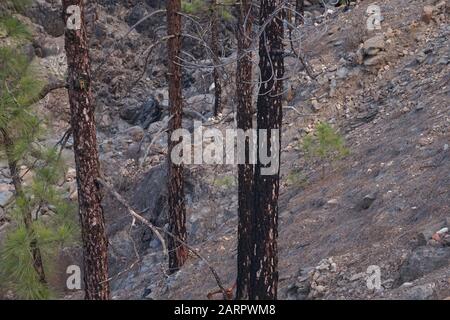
(53, 216)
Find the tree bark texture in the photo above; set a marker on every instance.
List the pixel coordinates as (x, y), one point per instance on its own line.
(95, 245)
(177, 210)
(264, 270)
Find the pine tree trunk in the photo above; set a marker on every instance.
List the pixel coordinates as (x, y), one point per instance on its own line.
(215, 53)
(27, 218)
(177, 209)
(299, 11)
(95, 245)
(264, 273)
(245, 171)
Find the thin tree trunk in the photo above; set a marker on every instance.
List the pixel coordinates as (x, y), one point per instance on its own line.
(264, 270)
(27, 218)
(245, 171)
(177, 210)
(215, 52)
(95, 245)
(299, 12)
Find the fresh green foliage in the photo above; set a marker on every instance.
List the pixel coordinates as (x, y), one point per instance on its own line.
(54, 224)
(296, 178)
(227, 15)
(14, 28)
(60, 229)
(194, 6)
(18, 89)
(17, 266)
(325, 144)
(203, 6)
(224, 182)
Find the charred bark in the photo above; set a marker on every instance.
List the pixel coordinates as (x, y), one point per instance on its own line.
(244, 90)
(215, 52)
(95, 245)
(299, 12)
(264, 269)
(177, 210)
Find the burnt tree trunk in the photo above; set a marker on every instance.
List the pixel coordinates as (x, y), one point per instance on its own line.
(177, 209)
(299, 11)
(215, 52)
(27, 217)
(264, 269)
(244, 90)
(95, 245)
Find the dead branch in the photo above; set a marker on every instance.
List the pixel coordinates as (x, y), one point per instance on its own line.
(135, 216)
(156, 230)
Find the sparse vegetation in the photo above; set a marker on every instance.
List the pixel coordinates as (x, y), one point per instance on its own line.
(31, 243)
(224, 182)
(12, 27)
(296, 178)
(45, 200)
(324, 145)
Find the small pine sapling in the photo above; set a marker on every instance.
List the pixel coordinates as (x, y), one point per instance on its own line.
(325, 145)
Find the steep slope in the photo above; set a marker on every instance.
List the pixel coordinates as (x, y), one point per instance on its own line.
(370, 209)
(387, 92)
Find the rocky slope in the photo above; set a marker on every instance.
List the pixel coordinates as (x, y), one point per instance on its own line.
(387, 91)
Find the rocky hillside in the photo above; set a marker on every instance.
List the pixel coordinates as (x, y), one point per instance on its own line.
(386, 204)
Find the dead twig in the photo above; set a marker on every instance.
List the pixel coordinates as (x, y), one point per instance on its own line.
(134, 215)
(156, 230)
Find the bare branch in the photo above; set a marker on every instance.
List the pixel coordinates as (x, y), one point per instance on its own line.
(135, 216)
(156, 230)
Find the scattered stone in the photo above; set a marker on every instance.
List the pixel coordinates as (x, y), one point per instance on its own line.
(315, 105)
(342, 73)
(374, 45)
(375, 60)
(371, 51)
(423, 237)
(136, 133)
(357, 276)
(367, 201)
(133, 151)
(5, 197)
(200, 102)
(423, 260)
(105, 121)
(421, 292)
(332, 202)
(427, 14)
(407, 285)
(424, 141)
(447, 222)
(444, 60)
(47, 46)
(74, 196)
(420, 106)
(442, 231)
(48, 16)
(143, 115)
